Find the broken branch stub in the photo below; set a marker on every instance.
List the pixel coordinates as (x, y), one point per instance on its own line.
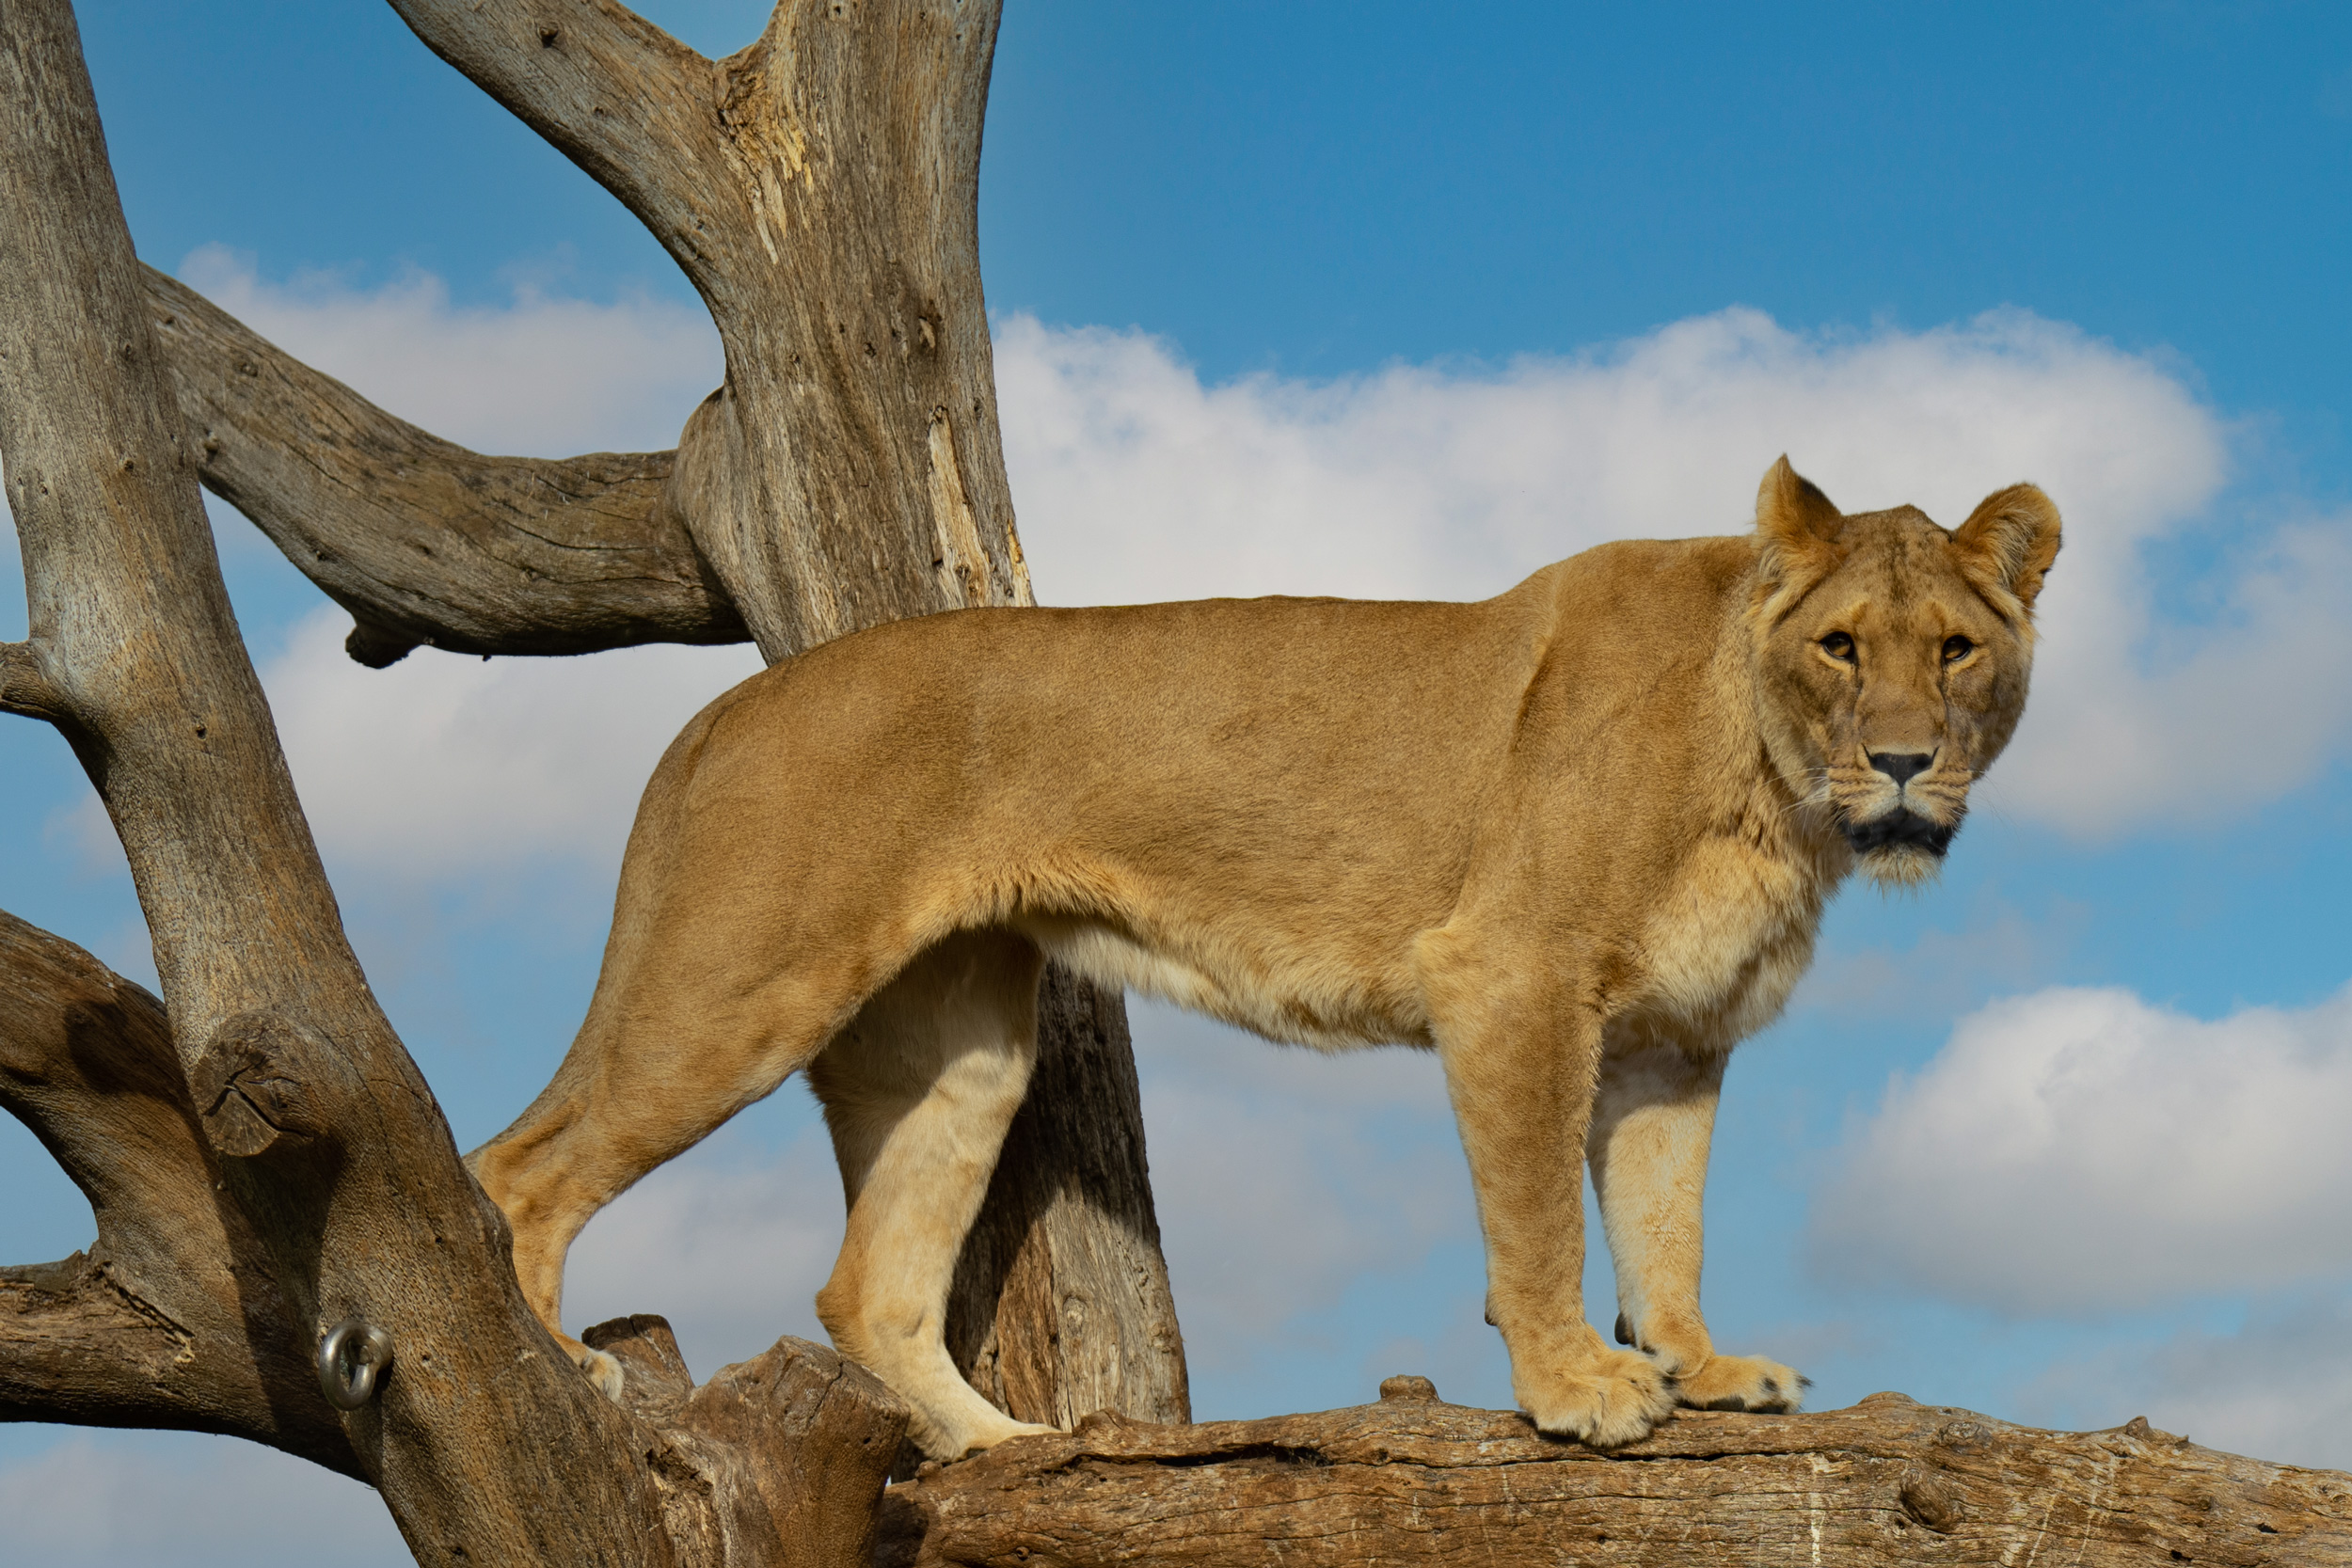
(424, 542)
(249, 1085)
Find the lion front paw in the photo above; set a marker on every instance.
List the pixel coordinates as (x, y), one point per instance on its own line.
(1741, 1383)
(1617, 1397)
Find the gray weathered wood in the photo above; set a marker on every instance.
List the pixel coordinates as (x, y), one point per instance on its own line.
(486, 1443)
(1413, 1480)
(424, 542)
(172, 1319)
(172, 1316)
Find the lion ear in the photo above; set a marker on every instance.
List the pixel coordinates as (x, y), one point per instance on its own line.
(1797, 527)
(1792, 514)
(2009, 541)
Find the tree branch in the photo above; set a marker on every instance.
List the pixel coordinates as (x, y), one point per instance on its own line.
(172, 1319)
(1410, 1480)
(25, 687)
(631, 105)
(421, 540)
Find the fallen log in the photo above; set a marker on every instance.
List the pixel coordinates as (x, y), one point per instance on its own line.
(1412, 1480)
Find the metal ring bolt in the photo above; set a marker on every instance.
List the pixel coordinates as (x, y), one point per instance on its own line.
(351, 1357)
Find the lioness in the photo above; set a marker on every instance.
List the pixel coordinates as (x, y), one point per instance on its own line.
(1576, 839)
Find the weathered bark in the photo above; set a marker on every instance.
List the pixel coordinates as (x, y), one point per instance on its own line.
(778, 1460)
(819, 188)
(421, 540)
(172, 1318)
(1410, 1480)
(323, 1140)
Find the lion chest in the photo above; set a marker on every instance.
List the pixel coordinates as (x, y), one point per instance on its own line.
(1727, 944)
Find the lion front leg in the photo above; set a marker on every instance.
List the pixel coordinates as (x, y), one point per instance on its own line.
(1519, 1071)
(1652, 1122)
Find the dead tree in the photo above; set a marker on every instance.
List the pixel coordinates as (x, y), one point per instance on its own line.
(270, 1174)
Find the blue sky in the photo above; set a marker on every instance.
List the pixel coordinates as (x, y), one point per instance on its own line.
(1391, 299)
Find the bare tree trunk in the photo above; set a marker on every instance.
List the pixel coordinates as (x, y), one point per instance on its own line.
(175, 1319)
(327, 1140)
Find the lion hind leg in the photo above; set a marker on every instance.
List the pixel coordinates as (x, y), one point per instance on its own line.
(919, 1092)
(656, 1068)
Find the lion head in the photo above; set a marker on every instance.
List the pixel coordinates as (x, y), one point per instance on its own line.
(1892, 657)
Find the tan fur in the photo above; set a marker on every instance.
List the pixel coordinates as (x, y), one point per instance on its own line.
(1576, 839)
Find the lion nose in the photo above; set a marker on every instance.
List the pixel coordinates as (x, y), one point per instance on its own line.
(1901, 767)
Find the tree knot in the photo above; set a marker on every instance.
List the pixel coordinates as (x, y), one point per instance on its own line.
(251, 1085)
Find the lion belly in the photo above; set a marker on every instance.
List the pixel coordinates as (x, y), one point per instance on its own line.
(1284, 996)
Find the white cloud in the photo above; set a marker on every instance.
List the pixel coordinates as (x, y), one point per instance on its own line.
(540, 376)
(1940, 973)
(2277, 1388)
(444, 766)
(2080, 1149)
(1135, 481)
(112, 1498)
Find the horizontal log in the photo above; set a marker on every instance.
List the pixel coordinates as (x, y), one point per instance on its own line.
(1411, 1480)
(423, 541)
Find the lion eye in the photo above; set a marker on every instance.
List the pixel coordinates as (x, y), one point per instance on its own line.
(1839, 646)
(1957, 648)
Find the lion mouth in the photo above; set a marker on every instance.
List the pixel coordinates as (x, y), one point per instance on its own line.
(1899, 828)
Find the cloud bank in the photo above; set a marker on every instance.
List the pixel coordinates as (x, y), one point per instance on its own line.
(442, 765)
(1137, 481)
(2081, 1150)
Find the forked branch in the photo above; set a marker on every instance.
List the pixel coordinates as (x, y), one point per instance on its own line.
(25, 687)
(349, 1181)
